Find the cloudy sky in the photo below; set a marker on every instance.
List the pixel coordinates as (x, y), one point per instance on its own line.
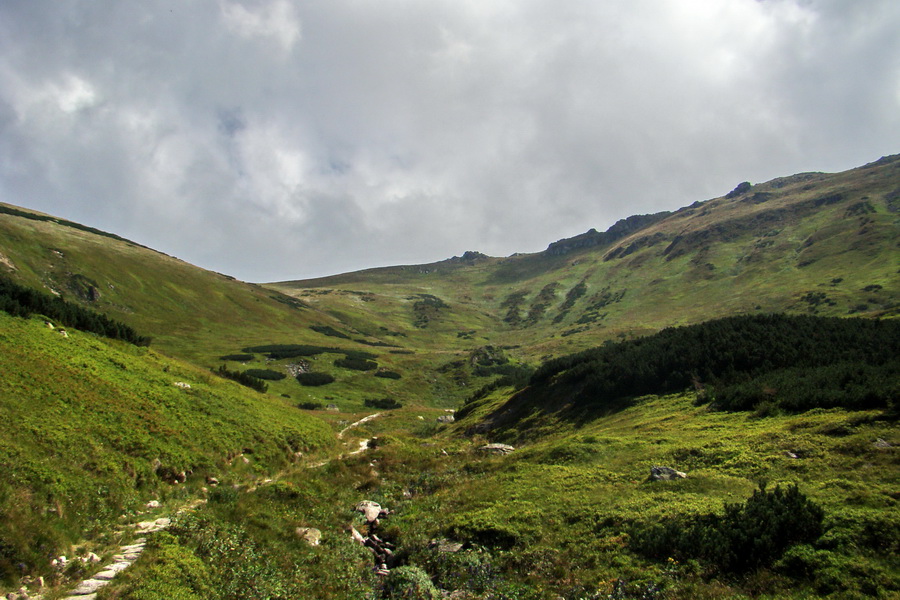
(283, 139)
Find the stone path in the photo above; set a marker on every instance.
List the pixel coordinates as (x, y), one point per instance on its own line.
(128, 553)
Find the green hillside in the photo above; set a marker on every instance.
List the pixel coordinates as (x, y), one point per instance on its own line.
(749, 342)
(96, 428)
(815, 243)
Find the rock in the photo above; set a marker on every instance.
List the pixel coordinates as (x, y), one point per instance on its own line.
(881, 443)
(496, 449)
(182, 385)
(665, 474)
(212, 481)
(89, 586)
(106, 575)
(333, 408)
(153, 504)
(91, 558)
(446, 419)
(446, 545)
(310, 534)
(372, 510)
(357, 536)
(790, 454)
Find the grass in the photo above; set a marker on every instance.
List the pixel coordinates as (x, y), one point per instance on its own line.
(95, 425)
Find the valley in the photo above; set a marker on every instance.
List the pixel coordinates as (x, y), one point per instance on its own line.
(749, 342)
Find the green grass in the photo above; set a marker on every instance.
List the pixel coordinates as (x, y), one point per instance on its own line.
(93, 423)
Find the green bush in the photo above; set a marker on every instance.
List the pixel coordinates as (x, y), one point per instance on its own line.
(313, 379)
(356, 364)
(266, 374)
(748, 536)
(242, 378)
(383, 403)
(387, 374)
(409, 583)
(311, 405)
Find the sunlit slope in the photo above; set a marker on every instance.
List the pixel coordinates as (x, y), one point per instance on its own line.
(813, 243)
(188, 311)
(95, 428)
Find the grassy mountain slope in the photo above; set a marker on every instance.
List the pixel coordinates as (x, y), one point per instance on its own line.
(96, 428)
(811, 243)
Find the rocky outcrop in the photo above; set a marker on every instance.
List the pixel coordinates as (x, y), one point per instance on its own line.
(665, 474)
(499, 449)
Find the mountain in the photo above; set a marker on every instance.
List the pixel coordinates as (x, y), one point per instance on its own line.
(748, 341)
(813, 243)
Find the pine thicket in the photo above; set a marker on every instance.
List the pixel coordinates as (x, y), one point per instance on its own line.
(20, 301)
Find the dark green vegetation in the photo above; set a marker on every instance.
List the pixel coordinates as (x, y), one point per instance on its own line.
(21, 301)
(714, 340)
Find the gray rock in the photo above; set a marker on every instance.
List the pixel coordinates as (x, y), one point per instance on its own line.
(89, 586)
(446, 419)
(665, 474)
(881, 443)
(496, 449)
(446, 545)
(372, 510)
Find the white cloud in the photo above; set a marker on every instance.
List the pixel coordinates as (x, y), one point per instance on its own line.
(275, 20)
(358, 133)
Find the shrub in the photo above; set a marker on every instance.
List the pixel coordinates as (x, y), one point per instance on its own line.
(409, 583)
(356, 364)
(242, 378)
(312, 379)
(383, 403)
(237, 357)
(387, 374)
(266, 374)
(746, 537)
(311, 405)
(329, 331)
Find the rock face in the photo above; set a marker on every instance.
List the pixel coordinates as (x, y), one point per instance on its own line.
(496, 449)
(665, 474)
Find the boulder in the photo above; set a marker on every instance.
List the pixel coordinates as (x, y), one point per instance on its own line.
(665, 474)
(446, 419)
(496, 449)
(310, 534)
(372, 510)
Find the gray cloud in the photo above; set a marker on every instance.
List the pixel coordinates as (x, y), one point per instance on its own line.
(276, 139)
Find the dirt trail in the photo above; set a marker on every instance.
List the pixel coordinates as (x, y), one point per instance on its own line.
(88, 588)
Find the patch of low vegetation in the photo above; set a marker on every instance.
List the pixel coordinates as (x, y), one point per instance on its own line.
(314, 379)
(740, 362)
(267, 374)
(356, 364)
(382, 403)
(329, 331)
(243, 377)
(387, 374)
(237, 357)
(426, 308)
(513, 305)
(747, 536)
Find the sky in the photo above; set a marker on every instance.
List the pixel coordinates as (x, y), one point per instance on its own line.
(287, 139)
